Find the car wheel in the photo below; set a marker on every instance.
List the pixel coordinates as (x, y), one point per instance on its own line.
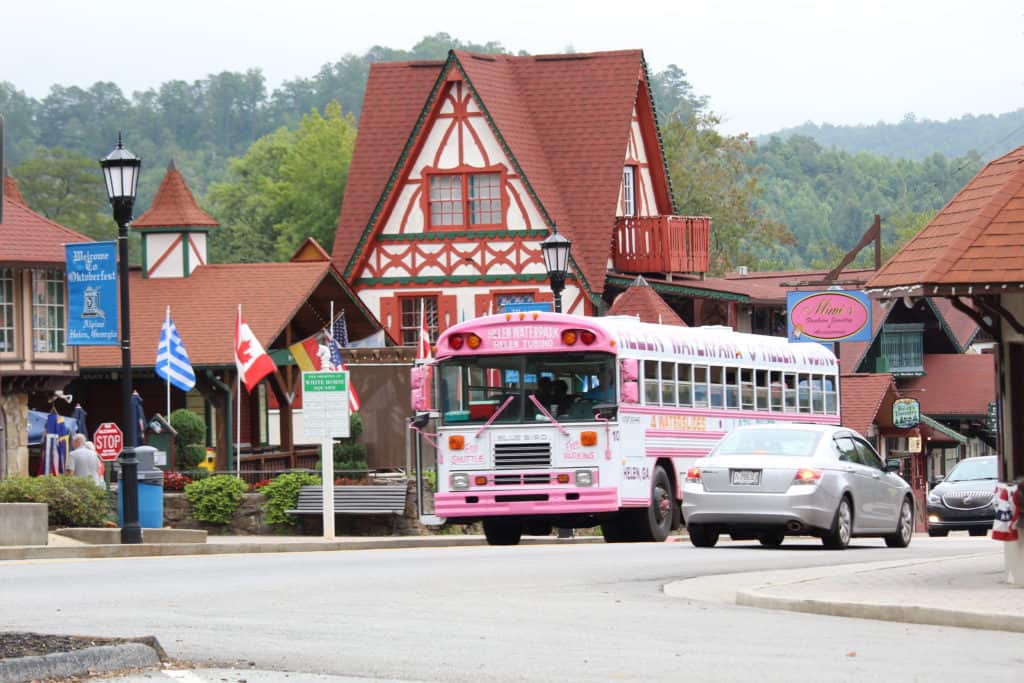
(838, 537)
(935, 533)
(501, 531)
(771, 540)
(904, 528)
(702, 536)
(978, 532)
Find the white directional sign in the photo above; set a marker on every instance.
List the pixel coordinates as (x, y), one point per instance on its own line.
(325, 404)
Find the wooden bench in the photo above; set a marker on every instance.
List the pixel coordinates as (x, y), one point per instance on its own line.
(386, 499)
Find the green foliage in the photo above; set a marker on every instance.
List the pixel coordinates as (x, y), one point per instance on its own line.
(191, 436)
(282, 494)
(349, 453)
(216, 499)
(72, 501)
(67, 188)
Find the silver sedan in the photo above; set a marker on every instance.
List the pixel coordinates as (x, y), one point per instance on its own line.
(772, 481)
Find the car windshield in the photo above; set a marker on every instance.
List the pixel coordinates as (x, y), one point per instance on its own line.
(792, 442)
(974, 469)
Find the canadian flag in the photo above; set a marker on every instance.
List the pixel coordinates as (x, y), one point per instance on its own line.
(251, 359)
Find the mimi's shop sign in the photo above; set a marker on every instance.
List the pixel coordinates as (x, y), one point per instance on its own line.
(830, 316)
(906, 413)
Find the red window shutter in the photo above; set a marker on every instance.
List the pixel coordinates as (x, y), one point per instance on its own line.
(483, 304)
(447, 312)
(390, 316)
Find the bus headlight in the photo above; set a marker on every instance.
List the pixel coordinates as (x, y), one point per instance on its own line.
(584, 478)
(459, 481)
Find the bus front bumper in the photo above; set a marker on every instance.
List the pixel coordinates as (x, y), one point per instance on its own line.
(526, 501)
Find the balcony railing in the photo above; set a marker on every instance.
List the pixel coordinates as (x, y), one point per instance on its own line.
(661, 244)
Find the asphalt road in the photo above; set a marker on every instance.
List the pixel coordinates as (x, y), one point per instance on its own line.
(540, 613)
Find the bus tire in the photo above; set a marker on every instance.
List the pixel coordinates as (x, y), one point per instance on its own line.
(501, 531)
(655, 522)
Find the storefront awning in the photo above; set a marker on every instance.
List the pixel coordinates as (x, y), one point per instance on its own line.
(941, 429)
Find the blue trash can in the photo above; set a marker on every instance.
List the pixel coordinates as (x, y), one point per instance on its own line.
(151, 491)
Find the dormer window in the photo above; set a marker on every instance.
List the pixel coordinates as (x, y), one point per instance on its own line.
(629, 191)
(902, 349)
(466, 200)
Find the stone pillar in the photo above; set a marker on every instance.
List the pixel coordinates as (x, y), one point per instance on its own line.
(15, 411)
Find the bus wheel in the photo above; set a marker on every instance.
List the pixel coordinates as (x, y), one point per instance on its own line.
(655, 522)
(500, 531)
(536, 528)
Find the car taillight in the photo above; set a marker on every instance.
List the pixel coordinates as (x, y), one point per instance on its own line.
(807, 476)
(455, 341)
(693, 474)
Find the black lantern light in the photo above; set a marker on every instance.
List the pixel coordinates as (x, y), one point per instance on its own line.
(121, 173)
(555, 249)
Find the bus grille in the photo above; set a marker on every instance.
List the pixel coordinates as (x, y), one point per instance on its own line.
(521, 455)
(520, 479)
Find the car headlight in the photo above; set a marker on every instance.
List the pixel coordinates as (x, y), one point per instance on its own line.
(584, 478)
(934, 499)
(459, 481)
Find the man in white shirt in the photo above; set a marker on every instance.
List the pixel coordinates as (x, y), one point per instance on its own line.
(82, 461)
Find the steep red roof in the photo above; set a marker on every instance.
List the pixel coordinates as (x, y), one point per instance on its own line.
(974, 239)
(270, 294)
(28, 237)
(862, 396)
(954, 384)
(640, 300)
(11, 190)
(565, 120)
(174, 206)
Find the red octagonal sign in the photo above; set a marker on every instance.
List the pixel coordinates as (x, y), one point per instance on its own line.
(108, 440)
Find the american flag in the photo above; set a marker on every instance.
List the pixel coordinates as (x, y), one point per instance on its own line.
(336, 338)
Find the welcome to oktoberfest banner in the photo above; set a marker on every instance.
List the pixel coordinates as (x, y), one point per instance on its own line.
(92, 293)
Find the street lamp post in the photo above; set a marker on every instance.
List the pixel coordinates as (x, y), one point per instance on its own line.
(121, 173)
(555, 249)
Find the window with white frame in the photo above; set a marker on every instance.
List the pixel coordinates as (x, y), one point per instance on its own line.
(629, 191)
(411, 308)
(485, 199)
(48, 318)
(7, 337)
(465, 199)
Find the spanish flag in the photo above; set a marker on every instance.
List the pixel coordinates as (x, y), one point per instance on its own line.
(306, 354)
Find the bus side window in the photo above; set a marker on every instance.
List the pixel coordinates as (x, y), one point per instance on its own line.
(715, 387)
(776, 386)
(651, 392)
(789, 382)
(732, 388)
(761, 389)
(805, 393)
(747, 389)
(684, 375)
(668, 383)
(700, 386)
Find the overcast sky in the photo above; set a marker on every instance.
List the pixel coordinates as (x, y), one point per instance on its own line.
(764, 64)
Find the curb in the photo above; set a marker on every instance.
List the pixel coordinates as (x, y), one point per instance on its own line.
(173, 549)
(78, 663)
(931, 616)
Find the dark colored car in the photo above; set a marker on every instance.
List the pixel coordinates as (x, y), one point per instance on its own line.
(964, 501)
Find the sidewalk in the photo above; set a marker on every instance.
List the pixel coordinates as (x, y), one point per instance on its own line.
(968, 591)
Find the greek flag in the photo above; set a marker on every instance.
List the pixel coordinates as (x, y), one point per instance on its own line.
(172, 361)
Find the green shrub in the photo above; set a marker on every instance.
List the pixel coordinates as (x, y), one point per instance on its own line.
(71, 501)
(191, 432)
(349, 454)
(283, 494)
(215, 499)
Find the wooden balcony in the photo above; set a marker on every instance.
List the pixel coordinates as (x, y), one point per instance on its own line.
(661, 244)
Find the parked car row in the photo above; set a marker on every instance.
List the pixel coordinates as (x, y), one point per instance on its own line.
(767, 482)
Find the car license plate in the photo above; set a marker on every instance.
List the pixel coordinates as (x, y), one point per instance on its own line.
(746, 477)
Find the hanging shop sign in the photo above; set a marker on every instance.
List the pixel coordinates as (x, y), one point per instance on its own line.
(906, 413)
(829, 316)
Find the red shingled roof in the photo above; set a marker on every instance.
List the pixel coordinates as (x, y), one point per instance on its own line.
(958, 384)
(174, 206)
(28, 237)
(640, 300)
(270, 294)
(862, 396)
(12, 191)
(974, 239)
(564, 118)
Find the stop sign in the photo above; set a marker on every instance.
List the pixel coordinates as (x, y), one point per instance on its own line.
(108, 441)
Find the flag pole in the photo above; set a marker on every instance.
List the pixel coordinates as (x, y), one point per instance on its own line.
(167, 325)
(327, 453)
(238, 407)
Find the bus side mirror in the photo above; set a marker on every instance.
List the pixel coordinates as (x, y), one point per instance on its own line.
(419, 383)
(606, 411)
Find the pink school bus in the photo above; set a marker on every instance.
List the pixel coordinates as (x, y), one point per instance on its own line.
(546, 420)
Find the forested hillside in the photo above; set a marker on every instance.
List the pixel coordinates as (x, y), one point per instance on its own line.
(912, 138)
(272, 165)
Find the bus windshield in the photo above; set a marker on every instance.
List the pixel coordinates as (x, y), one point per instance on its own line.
(568, 385)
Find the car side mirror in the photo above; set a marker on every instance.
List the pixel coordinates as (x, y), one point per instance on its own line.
(892, 465)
